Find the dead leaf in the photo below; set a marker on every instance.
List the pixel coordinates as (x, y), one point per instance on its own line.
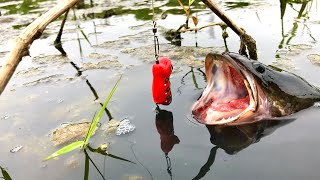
(195, 20)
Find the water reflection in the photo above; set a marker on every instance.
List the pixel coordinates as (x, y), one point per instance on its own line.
(302, 12)
(94, 92)
(57, 42)
(86, 166)
(236, 4)
(164, 124)
(206, 167)
(194, 80)
(233, 139)
(103, 151)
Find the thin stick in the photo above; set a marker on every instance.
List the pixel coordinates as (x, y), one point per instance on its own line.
(199, 28)
(27, 36)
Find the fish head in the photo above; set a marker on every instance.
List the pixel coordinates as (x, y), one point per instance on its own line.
(232, 94)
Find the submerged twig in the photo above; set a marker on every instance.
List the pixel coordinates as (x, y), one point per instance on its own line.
(57, 42)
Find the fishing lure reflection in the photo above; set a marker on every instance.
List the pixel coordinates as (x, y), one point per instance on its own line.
(164, 124)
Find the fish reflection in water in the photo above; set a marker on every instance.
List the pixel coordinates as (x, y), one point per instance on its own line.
(164, 124)
(233, 139)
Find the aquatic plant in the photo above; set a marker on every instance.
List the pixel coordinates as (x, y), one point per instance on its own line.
(83, 144)
(5, 174)
(188, 12)
(83, 34)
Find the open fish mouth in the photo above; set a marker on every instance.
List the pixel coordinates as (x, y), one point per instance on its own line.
(231, 93)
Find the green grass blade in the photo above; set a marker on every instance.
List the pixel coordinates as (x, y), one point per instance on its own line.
(119, 158)
(84, 34)
(66, 149)
(97, 118)
(98, 150)
(5, 174)
(191, 2)
(80, 47)
(87, 135)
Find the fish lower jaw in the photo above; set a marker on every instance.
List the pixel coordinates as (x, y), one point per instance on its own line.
(217, 118)
(227, 120)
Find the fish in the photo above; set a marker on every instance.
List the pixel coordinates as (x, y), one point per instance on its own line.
(241, 90)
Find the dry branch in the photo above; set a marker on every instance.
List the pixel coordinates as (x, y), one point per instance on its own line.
(245, 38)
(27, 36)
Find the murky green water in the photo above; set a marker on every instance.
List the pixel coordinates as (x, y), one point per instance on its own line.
(47, 91)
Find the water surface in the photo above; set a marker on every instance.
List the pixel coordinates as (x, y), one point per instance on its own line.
(48, 90)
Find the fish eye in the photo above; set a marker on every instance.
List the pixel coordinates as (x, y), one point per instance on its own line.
(258, 68)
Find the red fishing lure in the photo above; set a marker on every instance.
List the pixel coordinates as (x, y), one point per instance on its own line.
(161, 87)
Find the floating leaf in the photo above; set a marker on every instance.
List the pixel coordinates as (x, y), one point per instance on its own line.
(5, 174)
(195, 20)
(66, 149)
(97, 118)
(191, 2)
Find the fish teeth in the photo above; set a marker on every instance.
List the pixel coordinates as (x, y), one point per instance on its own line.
(227, 119)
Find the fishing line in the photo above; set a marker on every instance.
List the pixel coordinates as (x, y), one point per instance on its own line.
(131, 147)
